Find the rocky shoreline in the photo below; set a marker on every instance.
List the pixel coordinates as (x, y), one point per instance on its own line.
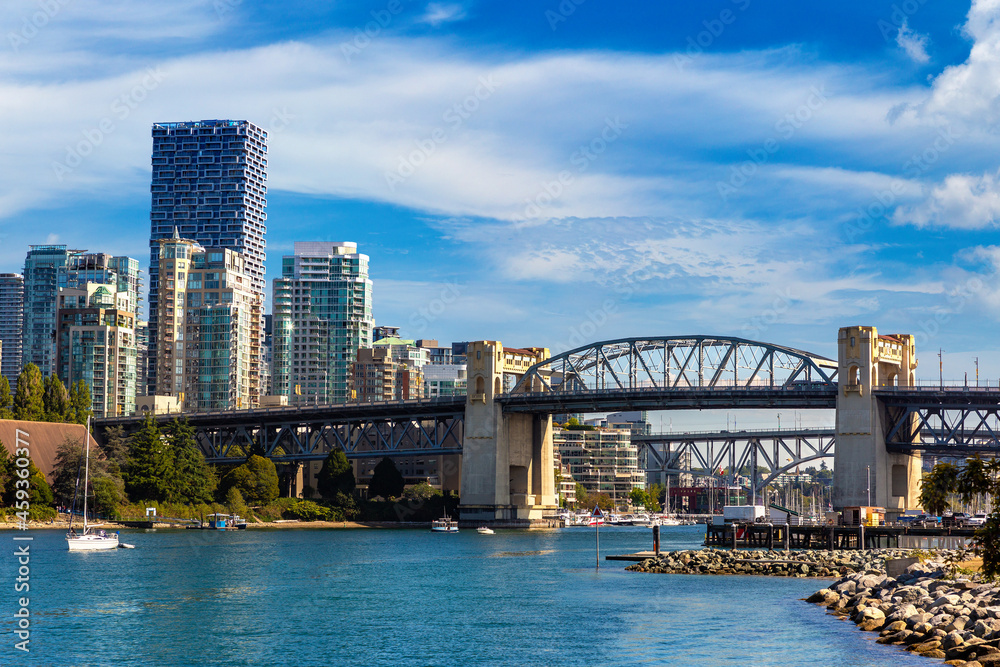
(821, 564)
(955, 619)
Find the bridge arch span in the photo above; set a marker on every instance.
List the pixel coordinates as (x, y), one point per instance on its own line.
(678, 362)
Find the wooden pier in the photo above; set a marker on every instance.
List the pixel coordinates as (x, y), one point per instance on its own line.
(770, 536)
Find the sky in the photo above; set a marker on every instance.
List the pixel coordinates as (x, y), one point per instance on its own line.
(559, 172)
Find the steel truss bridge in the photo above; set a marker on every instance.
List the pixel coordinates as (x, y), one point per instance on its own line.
(777, 450)
(946, 421)
(658, 373)
(433, 426)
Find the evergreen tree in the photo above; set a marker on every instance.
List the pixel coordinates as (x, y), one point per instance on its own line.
(196, 480)
(81, 403)
(55, 400)
(115, 446)
(6, 399)
(28, 399)
(256, 480)
(66, 469)
(387, 481)
(150, 474)
(336, 475)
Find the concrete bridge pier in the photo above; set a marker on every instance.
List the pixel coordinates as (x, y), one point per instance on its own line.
(507, 460)
(863, 468)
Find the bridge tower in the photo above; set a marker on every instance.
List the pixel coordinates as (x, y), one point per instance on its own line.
(507, 460)
(861, 462)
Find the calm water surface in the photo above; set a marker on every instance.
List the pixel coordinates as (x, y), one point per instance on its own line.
(388, 597)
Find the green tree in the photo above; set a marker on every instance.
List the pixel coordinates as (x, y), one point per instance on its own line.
(115, 446)
(150, 473)
(638, 497)
(196, 482)
(420, 492)
(336, 475)
(386, 481)
(66, 469)
(257, 480)
(109, 495)
(235, 503)
(6, 399)
(81, 403)
(937, 486)
(29, 398)
(55, 400)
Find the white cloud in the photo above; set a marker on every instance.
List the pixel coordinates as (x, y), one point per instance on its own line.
(438, 13)
(961, 201)
(914, 44)
(971, 91)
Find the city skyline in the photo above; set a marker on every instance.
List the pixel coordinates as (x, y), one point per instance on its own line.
(591, 174)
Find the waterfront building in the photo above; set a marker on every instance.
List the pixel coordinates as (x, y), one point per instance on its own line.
(377, 376)
(209, 327)
(96, 342)
(104, 269)
(322, 307)
(209, 181)
(602, 460)
(445, 379)
(44, 274)
(11, 324)
(384, 331)
(268, 363)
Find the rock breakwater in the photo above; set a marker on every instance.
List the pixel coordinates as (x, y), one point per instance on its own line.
(924, 611)
(829, 564)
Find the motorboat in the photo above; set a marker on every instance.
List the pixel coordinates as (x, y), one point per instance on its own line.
(87, 540)
(444, 525)
(484, 530)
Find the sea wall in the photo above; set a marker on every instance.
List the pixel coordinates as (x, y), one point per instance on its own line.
(829, 564)
(922, 610)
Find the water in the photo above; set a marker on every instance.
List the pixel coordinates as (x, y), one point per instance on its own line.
(389, 597)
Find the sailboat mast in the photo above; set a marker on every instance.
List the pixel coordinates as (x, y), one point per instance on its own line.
(86, 478)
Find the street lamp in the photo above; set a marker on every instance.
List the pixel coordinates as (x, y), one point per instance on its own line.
(779, 421)
(869, 469)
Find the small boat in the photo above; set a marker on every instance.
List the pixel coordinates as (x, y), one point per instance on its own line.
(125, 545)
(88, 541)
(484, 530)
(444, 525)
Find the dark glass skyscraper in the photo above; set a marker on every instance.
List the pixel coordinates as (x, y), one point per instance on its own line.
(11, 323)
(210, 182)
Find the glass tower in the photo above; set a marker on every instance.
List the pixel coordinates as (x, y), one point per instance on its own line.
(209, 181)
(11, 323)
(44, 273)
(322, 314)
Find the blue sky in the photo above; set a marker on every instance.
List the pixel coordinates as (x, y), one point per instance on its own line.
(553, 173)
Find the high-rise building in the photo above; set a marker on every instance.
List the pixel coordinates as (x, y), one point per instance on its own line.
(11, 323)
(209, 181)
(96, 343)
(602, 460)
(44, 273)
(376, 376)
(141, 357)
(209, 327)
(322, 315)
(105, 269)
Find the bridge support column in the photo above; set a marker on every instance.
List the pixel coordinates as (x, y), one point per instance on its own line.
(862, 466)
(507, 460)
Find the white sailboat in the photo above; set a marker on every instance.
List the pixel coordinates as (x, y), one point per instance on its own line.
(88, 541)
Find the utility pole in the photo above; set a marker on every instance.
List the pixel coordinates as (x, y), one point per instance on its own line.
(940, 368)
(869, 469)
(977, 371)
